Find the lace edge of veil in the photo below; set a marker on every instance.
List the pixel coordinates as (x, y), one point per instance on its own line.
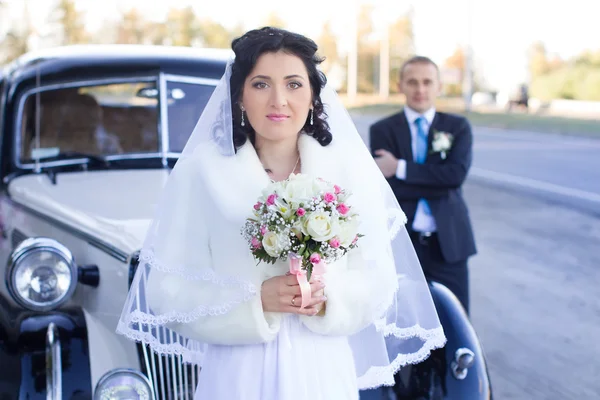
(384, 375)
(137, 316)
(399, 220)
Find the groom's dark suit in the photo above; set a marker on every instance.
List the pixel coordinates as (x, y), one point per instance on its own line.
(444, 251)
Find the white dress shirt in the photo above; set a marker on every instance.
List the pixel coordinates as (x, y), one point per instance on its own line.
(422, 221)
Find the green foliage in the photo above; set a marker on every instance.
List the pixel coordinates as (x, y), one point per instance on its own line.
(578, 82)
(553, 78)
(71, 22)
(402, 47)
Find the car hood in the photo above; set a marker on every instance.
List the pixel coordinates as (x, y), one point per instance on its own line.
(115, 207)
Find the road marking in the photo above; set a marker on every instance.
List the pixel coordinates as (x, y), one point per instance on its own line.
(534, 184)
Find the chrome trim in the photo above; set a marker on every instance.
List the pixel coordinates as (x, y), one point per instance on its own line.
(84, 83)
(463, 360)
(17, 237)
(53, 364)
(170, 376)
(57, 163)
(191, 79)
(164, 117)
(117, 371)
(132, 156)
(47, 244)
(100, 245)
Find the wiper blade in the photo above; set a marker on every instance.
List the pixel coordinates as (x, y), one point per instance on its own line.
(90, 157)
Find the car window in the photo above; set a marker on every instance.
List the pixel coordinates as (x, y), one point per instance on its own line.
(101, 120)
(186, 101)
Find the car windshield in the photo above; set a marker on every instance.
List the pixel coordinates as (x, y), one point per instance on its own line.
(108, 120)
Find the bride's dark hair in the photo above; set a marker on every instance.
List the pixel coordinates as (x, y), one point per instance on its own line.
(248, 48)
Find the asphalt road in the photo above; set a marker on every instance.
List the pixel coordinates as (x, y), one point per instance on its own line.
(535, 282)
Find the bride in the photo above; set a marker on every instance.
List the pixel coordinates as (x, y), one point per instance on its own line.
(198, 291)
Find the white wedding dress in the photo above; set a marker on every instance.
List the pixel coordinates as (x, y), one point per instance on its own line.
(297, 365)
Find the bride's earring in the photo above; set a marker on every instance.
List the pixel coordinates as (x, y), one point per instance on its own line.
(243, 123)
(312, 113)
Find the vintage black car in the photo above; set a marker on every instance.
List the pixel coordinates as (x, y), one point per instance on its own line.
(88, 136)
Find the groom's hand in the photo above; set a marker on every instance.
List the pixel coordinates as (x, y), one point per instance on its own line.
(277, 294)
(387, 163)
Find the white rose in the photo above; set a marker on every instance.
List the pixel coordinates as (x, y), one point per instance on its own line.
(347, 233)
(442, 142)
(320, 226)
(301, 188)
(274, 243)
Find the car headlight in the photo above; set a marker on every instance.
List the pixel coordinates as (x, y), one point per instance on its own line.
(41, 274)
(122, 383)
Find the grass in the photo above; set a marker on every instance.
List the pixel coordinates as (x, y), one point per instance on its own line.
(494, 118)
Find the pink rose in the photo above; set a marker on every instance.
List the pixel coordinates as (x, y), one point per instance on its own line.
(256, 243)
(329, 197)
(335, 243)
(257, 206)
(337, 189)
(300, 212)
(355, 239)
(271, 199)
(263, 230)
(315, 258)
(343, 209)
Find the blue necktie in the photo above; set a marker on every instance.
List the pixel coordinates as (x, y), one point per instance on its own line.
(422, 154)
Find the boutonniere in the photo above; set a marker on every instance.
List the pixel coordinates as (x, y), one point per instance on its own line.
(441, 143)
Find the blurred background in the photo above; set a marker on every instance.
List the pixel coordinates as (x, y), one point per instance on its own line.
(527, 75)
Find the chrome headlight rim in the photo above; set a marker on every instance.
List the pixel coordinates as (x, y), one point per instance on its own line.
(123, 371)
(37, 244)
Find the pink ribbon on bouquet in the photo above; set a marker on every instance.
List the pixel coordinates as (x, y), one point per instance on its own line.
(301, 276)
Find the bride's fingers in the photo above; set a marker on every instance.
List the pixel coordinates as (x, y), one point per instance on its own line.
(296, 291)
(314, 305)
(291, 280)
(316, 301)
(310, 311)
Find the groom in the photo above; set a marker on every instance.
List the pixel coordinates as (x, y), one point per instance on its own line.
(426, 155)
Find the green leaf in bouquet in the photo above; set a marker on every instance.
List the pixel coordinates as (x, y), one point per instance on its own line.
(309, 267)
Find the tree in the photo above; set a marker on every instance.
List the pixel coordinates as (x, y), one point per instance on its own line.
(588, 57)
(538, 60)
(71, 23)
(456, 62)
(368, 50)
(183, 27)
(16, 40)
(215, 35)
(13, 46)
(328, 47)
(402, 47)
(132, 29)
(274, 21)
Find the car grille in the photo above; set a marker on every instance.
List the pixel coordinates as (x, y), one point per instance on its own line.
(171, 378)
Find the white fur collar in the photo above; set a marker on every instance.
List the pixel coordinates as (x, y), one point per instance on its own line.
(236, 182)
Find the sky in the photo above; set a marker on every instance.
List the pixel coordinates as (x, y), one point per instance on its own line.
(500, 31)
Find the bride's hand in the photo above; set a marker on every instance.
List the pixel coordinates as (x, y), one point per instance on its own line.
(277, 294)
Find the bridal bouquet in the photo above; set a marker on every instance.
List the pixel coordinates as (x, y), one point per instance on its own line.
(305, 220)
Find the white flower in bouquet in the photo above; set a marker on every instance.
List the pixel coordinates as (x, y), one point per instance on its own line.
(320, 226)
(305, 217)
(275, 243)
(347, 233)
(300, 188)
